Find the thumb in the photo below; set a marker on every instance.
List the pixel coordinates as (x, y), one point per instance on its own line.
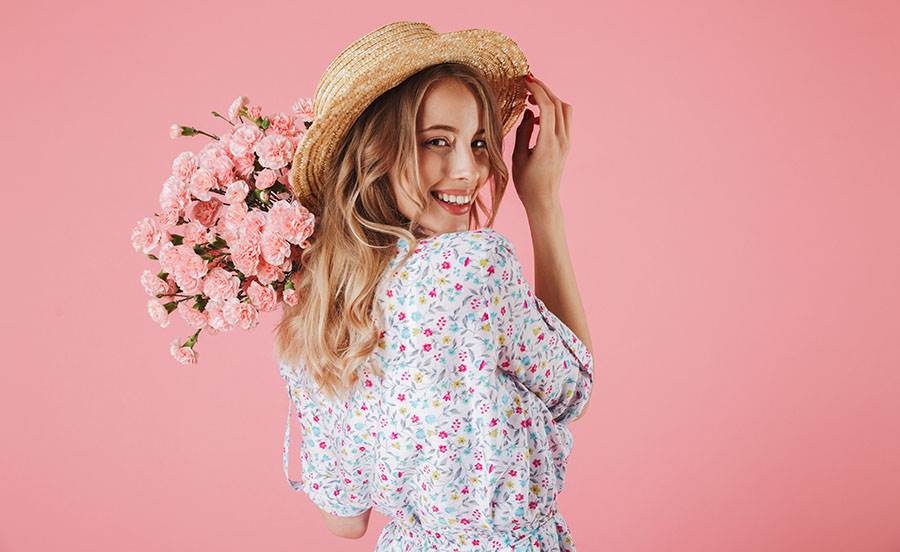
(523, 134)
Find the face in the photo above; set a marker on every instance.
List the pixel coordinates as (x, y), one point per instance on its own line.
(452, 157)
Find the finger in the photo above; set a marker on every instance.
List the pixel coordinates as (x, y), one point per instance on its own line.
(548, 112)
(560, 128)
(523, 136)
(567, 115)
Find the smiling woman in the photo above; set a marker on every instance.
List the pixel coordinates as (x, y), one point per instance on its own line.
(430, 380)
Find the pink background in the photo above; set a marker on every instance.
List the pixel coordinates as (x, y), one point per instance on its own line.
(733, 205)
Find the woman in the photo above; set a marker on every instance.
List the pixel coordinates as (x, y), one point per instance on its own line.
(430, 381)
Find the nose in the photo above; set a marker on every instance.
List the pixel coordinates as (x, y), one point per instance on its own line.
(463, 166)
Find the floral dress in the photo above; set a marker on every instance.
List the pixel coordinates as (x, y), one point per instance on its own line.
(463, 442)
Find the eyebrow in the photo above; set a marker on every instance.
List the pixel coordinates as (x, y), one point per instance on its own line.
(447, 127)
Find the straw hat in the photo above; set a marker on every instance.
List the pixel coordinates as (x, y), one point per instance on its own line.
(381, 60)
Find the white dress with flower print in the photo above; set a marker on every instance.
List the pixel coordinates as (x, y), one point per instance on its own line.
(464, 441)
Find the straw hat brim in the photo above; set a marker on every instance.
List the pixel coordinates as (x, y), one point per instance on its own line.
(381, 60)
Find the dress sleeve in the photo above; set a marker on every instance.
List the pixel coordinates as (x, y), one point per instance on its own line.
(535, 346)
(333, 475)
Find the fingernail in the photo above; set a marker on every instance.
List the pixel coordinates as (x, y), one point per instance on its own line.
(529, 77)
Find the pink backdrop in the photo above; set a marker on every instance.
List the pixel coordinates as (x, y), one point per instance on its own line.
(732, 202)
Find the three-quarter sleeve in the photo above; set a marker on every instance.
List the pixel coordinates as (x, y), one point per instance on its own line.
(535, 346)
(333, 457)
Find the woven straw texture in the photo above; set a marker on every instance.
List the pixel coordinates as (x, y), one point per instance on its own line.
(379, 61)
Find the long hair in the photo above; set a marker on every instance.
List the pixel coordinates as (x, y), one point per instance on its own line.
(332, 329)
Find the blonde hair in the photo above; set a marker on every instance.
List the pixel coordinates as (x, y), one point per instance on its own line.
(332, 330)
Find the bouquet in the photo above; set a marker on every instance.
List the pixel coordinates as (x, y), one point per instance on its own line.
(229, 232)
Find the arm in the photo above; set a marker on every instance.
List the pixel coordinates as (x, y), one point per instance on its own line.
(347, 527)
(554, 276)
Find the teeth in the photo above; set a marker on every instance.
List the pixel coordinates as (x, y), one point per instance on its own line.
(461, 200)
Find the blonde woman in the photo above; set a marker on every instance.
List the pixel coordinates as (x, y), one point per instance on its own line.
(431, 381)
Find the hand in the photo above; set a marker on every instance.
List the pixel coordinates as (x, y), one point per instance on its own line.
(537, 171)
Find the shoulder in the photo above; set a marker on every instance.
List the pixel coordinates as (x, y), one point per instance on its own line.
(483, 243)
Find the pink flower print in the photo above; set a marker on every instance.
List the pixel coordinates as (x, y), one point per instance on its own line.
(402, 348)
(383, 477)
(368, 383)
(466, 262)
(275, 151)
(503, 310)
(401, 397)
(465, 490)
(315, 418)
(462, 368)
(418, 446)
(520, 496)
(315, 486)
(536, 462)
(394, 435)
(445, 265)
(513, 473)
(485, 316)
(478, 466)
(414, 418)
(442, 434)
(458, 286)
(427, 331)
(322, 445)
(434, 508)
(541, 336)
(493, 422)
(476, 542)
(442, 448)
(390, 293)
(491, 269)
(526, 422)
(491, 468)
(464, 521)
(432, 293)
(401, 315)
(336, 492)
(532, 505)
(446, 396)
(426, 347)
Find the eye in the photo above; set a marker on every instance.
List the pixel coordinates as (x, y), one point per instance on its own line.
(483, 142)
(434, 140)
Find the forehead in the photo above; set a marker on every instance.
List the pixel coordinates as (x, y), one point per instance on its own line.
(449, 102)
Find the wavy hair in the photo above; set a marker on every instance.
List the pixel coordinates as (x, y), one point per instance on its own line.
(332, 329)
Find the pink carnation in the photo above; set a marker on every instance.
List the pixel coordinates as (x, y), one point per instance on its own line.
(283, 124)
(158, 312)
(234, 109)
(265, 178)
(289, 296)
(234, 216)
(245, 254)
(202, 181)
(216, 320)
(174, 131)
(184, 355)
(184, 165)
(221, 285)
(153, 284)
(174, 195)
(167, 219)
(244, 165)
(274, 151)
(241, 314)
(205, 212)
(274, 247)
(304, 108)
(292, 220)
(192, 316)
(146, 235)
(267, 273)
(244, 138)
(195, 233)
(236, 192)
(254, 223)
(262, 297)
(189, 269)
